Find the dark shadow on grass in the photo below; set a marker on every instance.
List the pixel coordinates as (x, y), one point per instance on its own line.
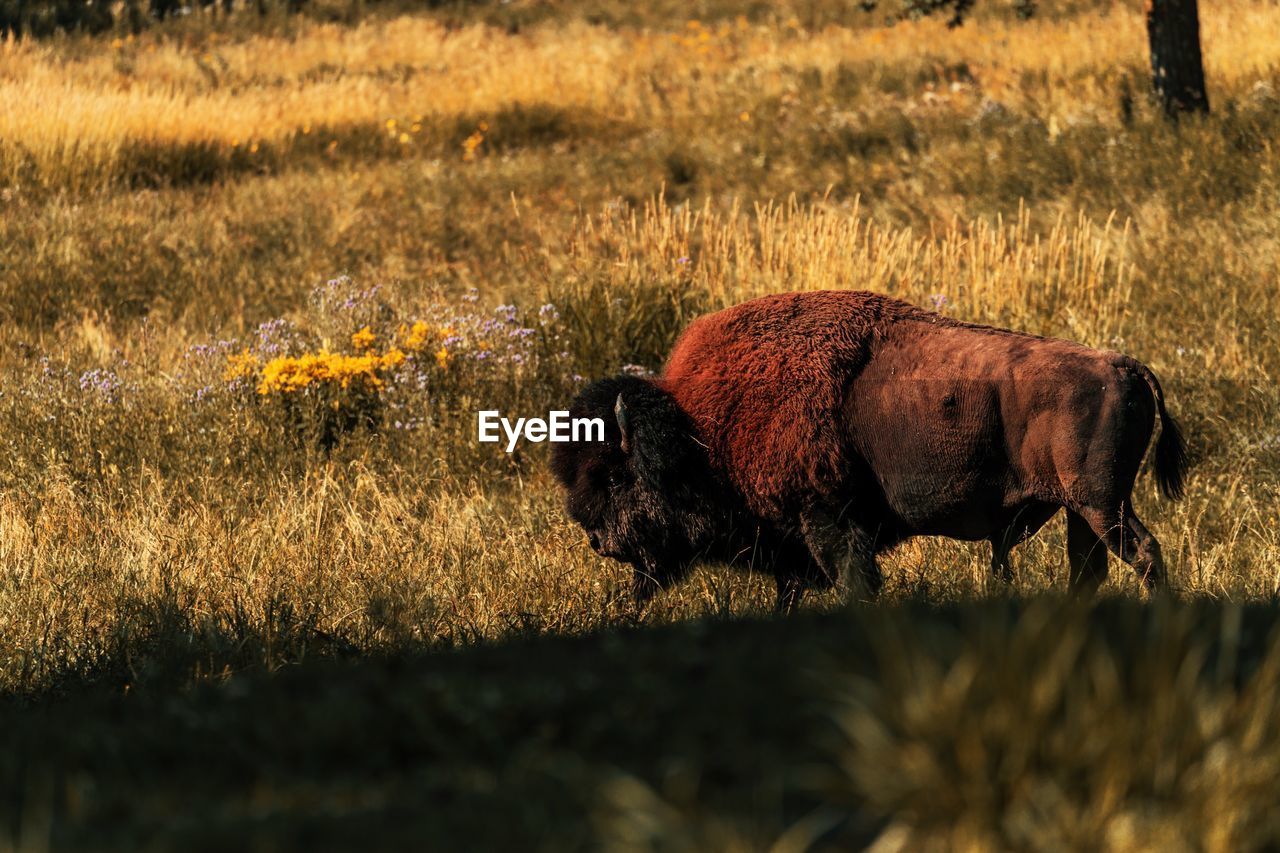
(504, 744)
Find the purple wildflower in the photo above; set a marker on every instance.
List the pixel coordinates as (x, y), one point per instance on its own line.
(105, 383)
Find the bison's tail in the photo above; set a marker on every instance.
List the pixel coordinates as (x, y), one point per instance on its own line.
(1171, 450)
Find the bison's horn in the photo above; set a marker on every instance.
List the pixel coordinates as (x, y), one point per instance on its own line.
(624, 423)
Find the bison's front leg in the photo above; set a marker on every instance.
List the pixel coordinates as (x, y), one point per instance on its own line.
(844, 551)
(790, 591)
(794, 570)
(644, 583)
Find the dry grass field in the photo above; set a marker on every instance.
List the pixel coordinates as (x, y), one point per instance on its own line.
(257, 279)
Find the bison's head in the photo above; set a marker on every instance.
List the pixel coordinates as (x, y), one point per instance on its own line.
(646, 495)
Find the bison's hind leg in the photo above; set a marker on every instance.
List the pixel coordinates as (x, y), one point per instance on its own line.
(1026, 523)
(1001, 569)
(1001, 544)
(1147, 562)
(1128, 538)
(845, 553)
(1087, 555)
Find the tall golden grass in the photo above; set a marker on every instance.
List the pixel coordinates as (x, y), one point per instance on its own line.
(988, 271)
(119, 537)
(78, 121)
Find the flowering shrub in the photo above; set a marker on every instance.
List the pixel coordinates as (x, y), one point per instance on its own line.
(405, 378)
(358, 361)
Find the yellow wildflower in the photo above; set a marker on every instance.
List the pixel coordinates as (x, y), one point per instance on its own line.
(417, 336)
(363, 339)
(442, 357)
(240, 365)
(288, 374)
(404, 139)
(472, 142)
(347, 369)
(393, 358)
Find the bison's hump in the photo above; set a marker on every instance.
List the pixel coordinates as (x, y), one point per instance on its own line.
(764, 381)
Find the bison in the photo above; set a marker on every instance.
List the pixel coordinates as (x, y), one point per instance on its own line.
(804, 433)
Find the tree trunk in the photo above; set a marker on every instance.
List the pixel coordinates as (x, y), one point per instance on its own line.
(1173, 28)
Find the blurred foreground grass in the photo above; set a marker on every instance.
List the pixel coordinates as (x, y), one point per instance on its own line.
(995, 725)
